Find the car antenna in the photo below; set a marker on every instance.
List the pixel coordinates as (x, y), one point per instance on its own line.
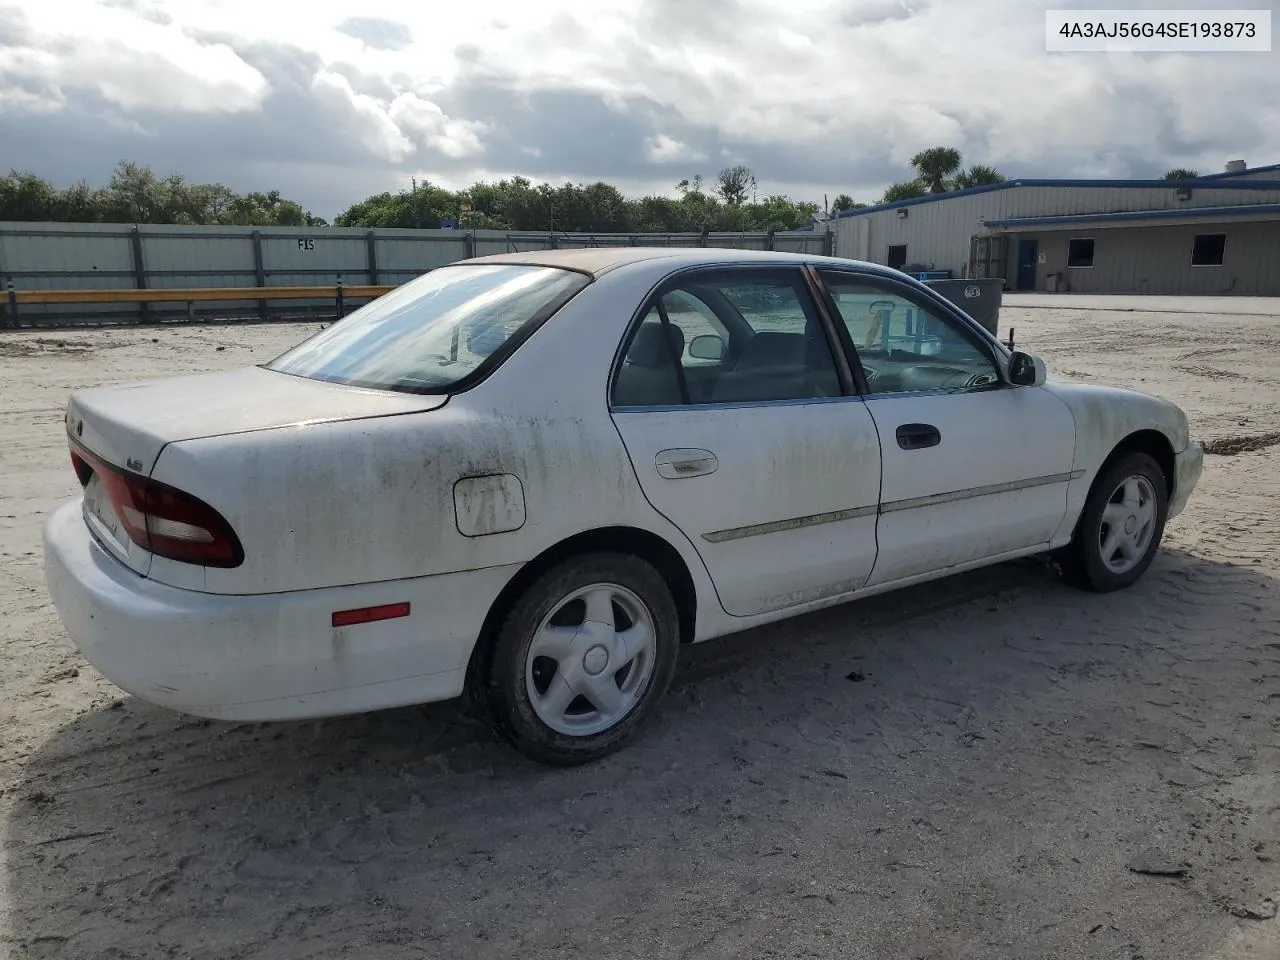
(1010, 344)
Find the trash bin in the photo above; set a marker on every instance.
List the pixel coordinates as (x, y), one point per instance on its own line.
(978, 297)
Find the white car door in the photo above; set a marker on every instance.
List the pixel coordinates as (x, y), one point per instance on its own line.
(974, 468)
(741, 422)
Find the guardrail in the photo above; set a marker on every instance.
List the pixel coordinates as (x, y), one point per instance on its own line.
(339, 293)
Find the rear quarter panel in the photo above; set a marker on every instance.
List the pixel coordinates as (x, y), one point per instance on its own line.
(371, 500)
(363, 501)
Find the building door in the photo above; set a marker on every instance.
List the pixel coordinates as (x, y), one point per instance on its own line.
(1027, 256)
(897, 256)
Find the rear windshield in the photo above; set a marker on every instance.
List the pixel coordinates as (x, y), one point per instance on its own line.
(435, 331)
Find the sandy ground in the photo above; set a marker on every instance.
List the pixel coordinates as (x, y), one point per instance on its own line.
(963, 770)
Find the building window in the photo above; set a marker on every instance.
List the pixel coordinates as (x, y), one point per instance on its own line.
(897, 258)
(1080, 253)
(1207, 250)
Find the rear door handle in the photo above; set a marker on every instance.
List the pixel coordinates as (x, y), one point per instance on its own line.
(918, 436)
(684, 462)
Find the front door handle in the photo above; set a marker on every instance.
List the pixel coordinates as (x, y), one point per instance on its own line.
(918, 436)
(685, 462)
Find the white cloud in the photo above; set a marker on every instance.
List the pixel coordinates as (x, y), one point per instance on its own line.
(453, 138)
(665, 149)
(794, 41)
(130, 61)
(800, 90)
(362, 116)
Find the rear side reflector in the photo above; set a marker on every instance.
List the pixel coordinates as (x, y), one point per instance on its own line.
(160, 518)
(387, 611)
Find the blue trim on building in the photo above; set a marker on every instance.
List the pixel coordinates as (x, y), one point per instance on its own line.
(1202, 182)
(1248, 170)
(1191, 212)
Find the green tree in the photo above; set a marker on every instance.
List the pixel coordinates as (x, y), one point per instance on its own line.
(845, 202)
(1181, 173)
(905, 190)
(654, 214)
(977, 175)
(25, 196)
(690, 186)
(79, 203)
(735, 184)
(422, 206)
(780, 213)
(136, 194)
(936, 166)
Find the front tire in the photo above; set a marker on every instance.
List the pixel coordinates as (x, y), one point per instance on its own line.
(1120, 527)
(583, 658)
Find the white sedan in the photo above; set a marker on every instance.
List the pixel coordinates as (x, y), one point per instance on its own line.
(532, 477)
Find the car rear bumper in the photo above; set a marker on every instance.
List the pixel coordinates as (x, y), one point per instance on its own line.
(264, 657)
(1187, 468)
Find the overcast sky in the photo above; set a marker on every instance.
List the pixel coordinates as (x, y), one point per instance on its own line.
(331, 100)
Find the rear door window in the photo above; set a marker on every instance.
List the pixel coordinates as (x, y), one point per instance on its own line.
(739, 336)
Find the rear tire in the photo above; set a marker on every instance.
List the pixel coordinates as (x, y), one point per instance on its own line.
(581, 661)
(1121, 526)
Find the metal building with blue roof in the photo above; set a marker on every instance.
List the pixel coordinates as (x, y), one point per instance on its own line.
(1212, 235)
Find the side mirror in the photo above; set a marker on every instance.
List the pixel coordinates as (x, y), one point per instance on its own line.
(1026, 370)
(706, 347)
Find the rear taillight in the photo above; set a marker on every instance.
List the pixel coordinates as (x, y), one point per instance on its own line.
(161, 519)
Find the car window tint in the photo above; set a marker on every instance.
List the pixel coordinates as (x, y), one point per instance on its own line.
(906, 345)
(768, 308)
(741, 338)
(647, 377)
(696, 319)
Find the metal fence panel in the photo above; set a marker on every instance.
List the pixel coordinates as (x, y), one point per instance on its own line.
(314, 258)
(188, 259)
(43, 259)
(68, 256)
(416, 254)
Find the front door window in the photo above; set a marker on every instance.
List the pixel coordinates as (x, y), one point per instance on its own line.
(905, 345)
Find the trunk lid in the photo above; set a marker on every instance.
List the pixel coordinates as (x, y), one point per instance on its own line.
(127, 426)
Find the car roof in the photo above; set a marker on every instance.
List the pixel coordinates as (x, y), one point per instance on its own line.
(599, 260)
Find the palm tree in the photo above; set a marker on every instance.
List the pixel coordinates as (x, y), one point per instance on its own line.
(935, 166)
(1181, 173)
(978, 175)
(906, 190)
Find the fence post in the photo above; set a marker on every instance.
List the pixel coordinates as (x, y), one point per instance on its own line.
(139, 269)
(259, 270)
(469, 245)
(341, 307)
(13, 303)
(371, 256)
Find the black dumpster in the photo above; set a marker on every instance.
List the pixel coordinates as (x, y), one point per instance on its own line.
(979, 298)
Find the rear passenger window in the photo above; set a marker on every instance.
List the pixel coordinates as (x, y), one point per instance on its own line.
(648, 376)
(728, 337)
